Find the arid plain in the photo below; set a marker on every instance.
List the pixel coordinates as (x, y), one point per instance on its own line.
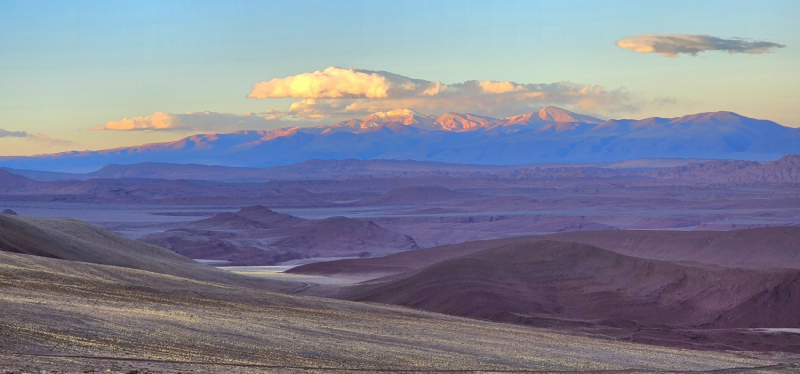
(672, 275)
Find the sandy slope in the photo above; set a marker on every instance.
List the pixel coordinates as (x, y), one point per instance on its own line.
(70, 239)
(68, 308)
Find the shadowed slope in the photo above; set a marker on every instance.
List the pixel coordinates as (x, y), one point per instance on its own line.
(767, 247)
(578, 281)
(69, 239)
(757, 248)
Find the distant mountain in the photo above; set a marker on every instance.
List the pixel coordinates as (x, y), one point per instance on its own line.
(784, 170)
(259, 236)
(325, 169)
(551, 135)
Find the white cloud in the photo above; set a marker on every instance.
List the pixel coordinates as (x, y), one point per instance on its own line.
(343, 93)
(12, 134)
(671, 45)
(193, 121)
(338, 83)
(499, 87)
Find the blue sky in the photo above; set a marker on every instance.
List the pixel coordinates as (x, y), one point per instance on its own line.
(67, 66)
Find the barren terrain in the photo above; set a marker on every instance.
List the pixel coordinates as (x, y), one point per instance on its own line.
(677, 267)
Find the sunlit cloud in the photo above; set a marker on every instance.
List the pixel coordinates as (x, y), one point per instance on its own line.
(194, 121)
(671, 45)
(336, 94)
(338, 83)
(12, 134)
(344, 93)
(499, 87)
(46, 141)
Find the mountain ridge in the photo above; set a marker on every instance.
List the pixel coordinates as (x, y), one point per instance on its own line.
(550, 135)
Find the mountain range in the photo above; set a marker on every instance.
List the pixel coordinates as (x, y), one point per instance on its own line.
(548, 136)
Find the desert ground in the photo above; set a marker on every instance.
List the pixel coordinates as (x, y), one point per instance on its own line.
(646, 266)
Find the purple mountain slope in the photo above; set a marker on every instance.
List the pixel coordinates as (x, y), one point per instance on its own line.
(551, 135)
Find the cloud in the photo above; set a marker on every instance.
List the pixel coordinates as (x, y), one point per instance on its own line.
(12, 134)
(344, 93)
(47, 141)
(194, 121)
(671, 45)
(665, 100)
(338, 83)
(40, 139)
(499, 87)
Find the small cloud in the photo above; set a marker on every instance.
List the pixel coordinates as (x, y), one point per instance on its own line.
(192, 121)
(671, 45)
(499, 87)
(41, 139)
(47, 141)
(665, 100)
(12, 134)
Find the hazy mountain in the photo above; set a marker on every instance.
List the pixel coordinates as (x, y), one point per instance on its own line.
(785, 169)
(259, 236)
(551, 135)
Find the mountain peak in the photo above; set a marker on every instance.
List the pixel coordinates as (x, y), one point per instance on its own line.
(394, 115)
(555, 114)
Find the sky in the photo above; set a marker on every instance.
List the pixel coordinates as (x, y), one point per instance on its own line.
(78, 75)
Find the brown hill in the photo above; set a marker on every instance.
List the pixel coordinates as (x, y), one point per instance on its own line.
(237, 247)
(272, 219)
(343, 234)
(756, 248)
(249, 218)
(260, 236)
(578, 281)
(10, 212)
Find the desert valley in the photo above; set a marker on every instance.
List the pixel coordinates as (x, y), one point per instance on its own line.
(351, 186)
